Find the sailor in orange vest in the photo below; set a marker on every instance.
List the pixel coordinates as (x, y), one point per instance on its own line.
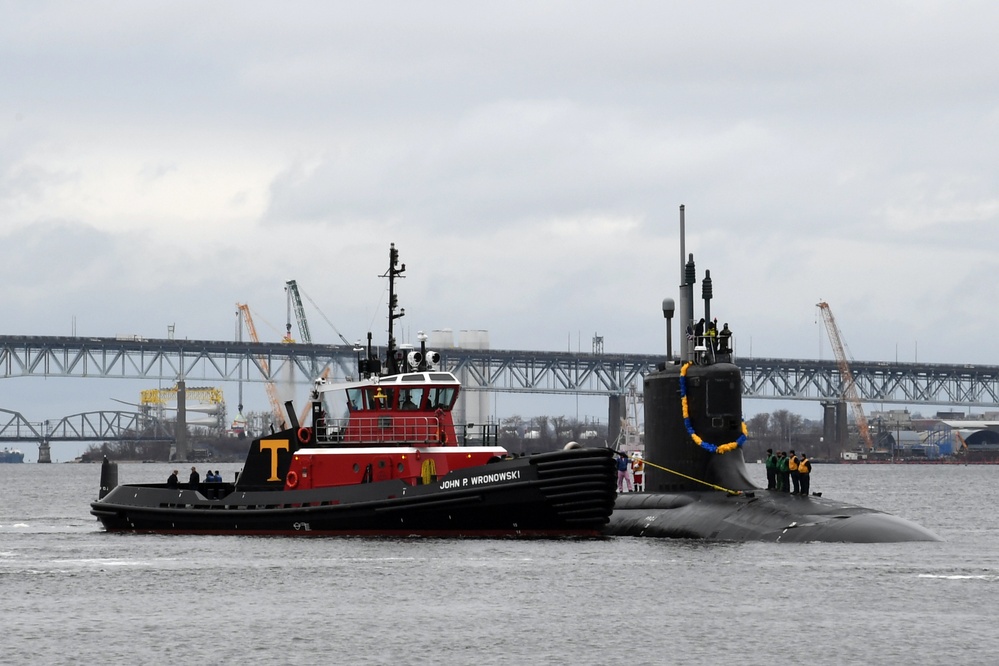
(804, 473)
(792, 466)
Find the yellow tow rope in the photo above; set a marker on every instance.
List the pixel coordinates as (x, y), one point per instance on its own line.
(690, 478)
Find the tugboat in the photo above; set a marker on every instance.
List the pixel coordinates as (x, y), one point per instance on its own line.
(396, 465)
(696, 482)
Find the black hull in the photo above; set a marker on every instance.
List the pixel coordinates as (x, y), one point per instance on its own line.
(761, 515)
(565, 493)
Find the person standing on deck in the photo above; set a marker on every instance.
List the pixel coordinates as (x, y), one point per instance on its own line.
(725, 340)
(783, 473)
(792, 466)
(622, 473)
(771, 463)
(712, 336)
(195, 478)
(804, 474)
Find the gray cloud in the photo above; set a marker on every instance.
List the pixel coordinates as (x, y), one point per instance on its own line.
(166, 161)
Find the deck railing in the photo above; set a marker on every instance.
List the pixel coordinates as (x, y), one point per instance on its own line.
(397, 429)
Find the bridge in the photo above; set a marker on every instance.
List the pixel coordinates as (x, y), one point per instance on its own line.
(83, 427)
(570, 373)
(487, 370)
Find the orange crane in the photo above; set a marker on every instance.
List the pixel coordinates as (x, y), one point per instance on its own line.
(963, 449)
(272, 394)
(850, 387)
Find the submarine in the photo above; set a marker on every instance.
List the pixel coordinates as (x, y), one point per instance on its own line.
(697, 485)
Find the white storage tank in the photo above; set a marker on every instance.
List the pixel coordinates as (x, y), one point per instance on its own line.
(473, 406)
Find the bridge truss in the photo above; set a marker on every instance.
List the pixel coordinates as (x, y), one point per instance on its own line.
(487, 370)
(877, 382)
(83, 427)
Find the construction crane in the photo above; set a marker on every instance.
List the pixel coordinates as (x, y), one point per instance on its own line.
(849, 386)
(272, 394)
(295, 299)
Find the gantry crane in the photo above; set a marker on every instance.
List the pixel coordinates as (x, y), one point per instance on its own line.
(159, 398)
(272, 394)
(207, 394)
(849, 386)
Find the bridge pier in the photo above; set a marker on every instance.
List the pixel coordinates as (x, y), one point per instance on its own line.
(835, 425)
(44, 452)
(617, 412)
(180, 426)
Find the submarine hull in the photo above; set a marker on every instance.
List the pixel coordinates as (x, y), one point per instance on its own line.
(696, 483)
(701, 489)
(761, 515)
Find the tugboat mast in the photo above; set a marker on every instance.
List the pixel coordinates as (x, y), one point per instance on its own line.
(393, 301)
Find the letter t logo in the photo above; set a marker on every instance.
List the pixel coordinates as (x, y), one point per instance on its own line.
(274, 445)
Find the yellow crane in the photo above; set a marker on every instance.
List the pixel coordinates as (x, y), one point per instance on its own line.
(207, 394)
(849, 386)
(272, 394)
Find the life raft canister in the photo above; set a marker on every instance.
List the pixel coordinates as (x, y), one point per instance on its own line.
(292, 479)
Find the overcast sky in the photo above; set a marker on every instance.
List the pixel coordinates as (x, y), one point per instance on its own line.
(160, 162)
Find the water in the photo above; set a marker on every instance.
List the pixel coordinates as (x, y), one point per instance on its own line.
(73, 594)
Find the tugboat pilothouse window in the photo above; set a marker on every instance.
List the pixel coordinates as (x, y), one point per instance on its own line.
(441, 398)
(355, 399)
(411, 398)
(370, 398)
(373, 398)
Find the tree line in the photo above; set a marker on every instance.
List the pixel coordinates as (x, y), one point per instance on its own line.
(780, 430)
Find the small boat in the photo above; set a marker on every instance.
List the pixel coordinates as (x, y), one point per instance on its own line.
(395, 465)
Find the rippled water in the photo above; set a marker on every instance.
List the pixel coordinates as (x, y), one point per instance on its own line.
(74, 594)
